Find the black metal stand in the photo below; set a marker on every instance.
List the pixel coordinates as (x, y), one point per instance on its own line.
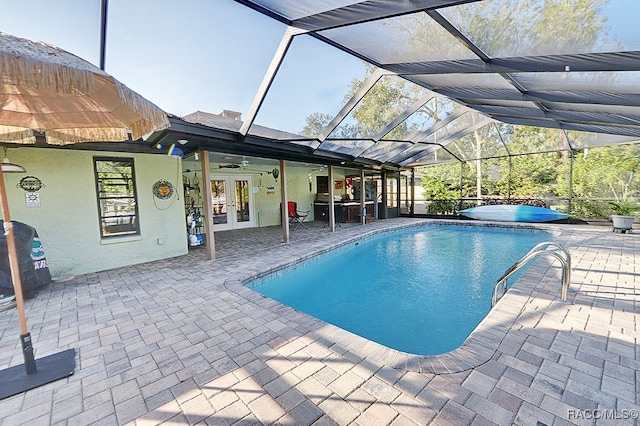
(16, 380)
(622, 230)
(27, 352)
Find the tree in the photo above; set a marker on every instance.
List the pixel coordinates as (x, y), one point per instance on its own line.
(599, 176)
(315, 124)
(532, 25)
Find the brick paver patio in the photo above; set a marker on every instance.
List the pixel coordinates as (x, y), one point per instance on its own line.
(182, 341)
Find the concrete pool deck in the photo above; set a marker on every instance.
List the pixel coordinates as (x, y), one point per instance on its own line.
(183, 342)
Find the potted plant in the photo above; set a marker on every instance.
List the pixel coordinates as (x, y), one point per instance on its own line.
(623, 214)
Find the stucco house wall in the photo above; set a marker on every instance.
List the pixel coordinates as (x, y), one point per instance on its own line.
(298, 186)
(268, 194)
(67, 220)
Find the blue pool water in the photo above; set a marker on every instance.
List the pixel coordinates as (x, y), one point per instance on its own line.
(419, 290)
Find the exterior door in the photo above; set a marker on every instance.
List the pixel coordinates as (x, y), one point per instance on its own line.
(232, 202)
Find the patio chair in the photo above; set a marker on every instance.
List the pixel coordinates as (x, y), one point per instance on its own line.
(296, 217)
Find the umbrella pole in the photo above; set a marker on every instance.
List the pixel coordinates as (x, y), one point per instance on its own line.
(25, 336)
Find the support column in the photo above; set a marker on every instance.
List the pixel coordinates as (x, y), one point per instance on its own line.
(572, 156)
(208, 208)
(332, 212)
(284, 199)
(412, 210)
(363, 206)
(384, 213)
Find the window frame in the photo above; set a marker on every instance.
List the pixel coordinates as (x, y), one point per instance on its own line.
(132, 194)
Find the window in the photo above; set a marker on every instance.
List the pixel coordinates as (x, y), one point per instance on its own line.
(117, 203)
(322, 184)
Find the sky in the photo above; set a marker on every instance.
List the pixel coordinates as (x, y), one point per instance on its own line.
(194, 55)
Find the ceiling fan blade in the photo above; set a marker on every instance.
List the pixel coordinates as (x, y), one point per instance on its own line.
(229, 166)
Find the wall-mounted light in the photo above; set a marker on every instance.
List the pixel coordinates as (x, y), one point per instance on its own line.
(9, 167)
(275, 172)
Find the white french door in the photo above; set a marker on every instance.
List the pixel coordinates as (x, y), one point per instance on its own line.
(232, 202)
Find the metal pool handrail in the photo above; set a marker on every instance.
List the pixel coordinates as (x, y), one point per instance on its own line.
(550, 248)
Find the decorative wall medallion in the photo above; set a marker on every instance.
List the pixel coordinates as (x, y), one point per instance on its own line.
(163, 189)
(30, 184)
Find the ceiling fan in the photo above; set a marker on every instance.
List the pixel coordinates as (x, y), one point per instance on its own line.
(243, 163)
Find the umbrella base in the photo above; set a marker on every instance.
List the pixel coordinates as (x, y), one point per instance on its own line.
(15, 380)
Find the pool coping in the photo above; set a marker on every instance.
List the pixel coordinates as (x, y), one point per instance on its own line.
(477, 349)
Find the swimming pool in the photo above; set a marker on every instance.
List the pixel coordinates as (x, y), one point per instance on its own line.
(419, 290)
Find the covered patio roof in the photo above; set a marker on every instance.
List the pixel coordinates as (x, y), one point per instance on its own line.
(470, 69)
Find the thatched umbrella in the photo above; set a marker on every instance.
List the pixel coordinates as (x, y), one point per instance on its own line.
(46, 90)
